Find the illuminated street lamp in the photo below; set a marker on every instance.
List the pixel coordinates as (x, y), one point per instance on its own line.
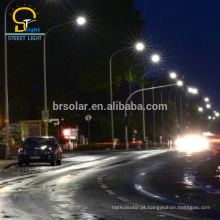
(208, 106)
(155, 58)
(209, 117)
(179, 84)
(195, 91)
(192, 90)
(139, 47)
(200, 109)
(206, 99)
(216, 114)
(80, 21)
(171, 75)
(125, 113)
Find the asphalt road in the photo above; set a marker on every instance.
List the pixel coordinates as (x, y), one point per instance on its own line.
(160, 184)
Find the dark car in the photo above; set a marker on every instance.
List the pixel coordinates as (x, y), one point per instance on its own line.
(40, 149)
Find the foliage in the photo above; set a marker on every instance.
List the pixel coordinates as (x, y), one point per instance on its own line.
(14, 132)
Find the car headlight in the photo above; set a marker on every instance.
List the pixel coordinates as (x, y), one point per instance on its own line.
(192, 143)
(21, 151)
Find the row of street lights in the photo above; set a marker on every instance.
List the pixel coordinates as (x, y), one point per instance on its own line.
(139, 46)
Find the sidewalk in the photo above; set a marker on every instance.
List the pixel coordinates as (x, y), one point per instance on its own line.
(7, 163)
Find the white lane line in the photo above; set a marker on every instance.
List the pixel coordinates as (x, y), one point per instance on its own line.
(110, 192)
(123, 199)
(173, 215)
(104, 187)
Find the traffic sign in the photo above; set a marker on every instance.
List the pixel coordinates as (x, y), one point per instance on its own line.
(45, 115)
(88, 117)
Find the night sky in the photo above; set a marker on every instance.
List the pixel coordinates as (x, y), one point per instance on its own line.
(187, 35)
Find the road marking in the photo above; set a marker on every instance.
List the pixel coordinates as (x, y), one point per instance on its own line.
(173, 215)
(110, 192)
(123, 199)
(104, 187)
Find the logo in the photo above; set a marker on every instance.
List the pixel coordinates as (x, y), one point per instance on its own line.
(24, 18)
(25, 21)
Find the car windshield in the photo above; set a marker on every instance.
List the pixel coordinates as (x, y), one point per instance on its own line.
(39, 141)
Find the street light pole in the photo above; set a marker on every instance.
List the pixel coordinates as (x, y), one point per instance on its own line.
(45, 72)
(111, 94)
(139, 46)
(45, 64)
(173, 76)
(125, 114)
(80, 21)
(143, 102)
(162, 121)
(7, 151)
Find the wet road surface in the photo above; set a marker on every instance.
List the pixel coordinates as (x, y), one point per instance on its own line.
(115, 185)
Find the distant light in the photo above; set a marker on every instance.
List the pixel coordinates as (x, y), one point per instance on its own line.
(209, 134)
(209, 117)
(208, 106)
(217, 114)
(179, 83)
(213, 118)
(195, 91)
(81, 20)
(206, 99)
(139, 46)
(200, 109)
(173, 75)
(190, 90)
(155, 58)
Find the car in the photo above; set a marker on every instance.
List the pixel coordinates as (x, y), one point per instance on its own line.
(40, 149)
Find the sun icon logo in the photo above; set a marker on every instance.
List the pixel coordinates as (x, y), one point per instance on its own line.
(25, 22)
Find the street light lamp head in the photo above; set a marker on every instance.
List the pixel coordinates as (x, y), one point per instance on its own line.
(81, 20)
(208, 106)
(180, 83)
(190, 90)
(173, 75)
(195, 91)
(217, 114)
(206, 99)
(200, 109)
(155, 58)
(209, 117)
(139, 46)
